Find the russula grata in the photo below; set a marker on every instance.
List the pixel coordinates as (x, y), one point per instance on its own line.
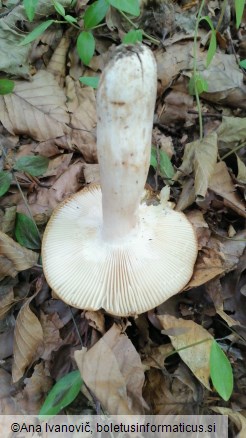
(102, 248)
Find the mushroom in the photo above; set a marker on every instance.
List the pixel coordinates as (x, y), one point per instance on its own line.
(102, 247)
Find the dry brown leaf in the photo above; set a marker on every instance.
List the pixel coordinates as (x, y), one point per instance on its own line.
(184, 333)
(7, 295)
(7, 390)
(176, 109)
(7, 222)
(43, 201)
(221, 184)
(36, 387)
(6, 301)
(36, 108)
(200, 156)
(167, 396)
(224, 78)
(57, 166)
(218, 256)
(113, 371)
(57, 64)
(164, 142)
(238, 419)
(214, 290)
(187, 196)
(51, 334)
(241, 174)
(14, 257)
(232, 130)
(6, 343)
(96, 320)
(28, 340)
(171, 60)
(201, 227)
(82, 105)
(156, 356)
(91, 173)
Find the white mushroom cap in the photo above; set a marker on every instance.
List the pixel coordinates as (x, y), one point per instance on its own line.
(126, 276)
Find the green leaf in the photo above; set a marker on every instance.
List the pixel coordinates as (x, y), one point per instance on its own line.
(221, 371)
(95, 13)
(133, 36)
(30, 8)
(26, 232)
(6, 86)
(153, 160)
(5, 181)
(128, 6)
(213, 42)
(239, 7)
(62, 394)
(212, 48)
(85, 46)
(35, 165)
(243, 63)
(165, 167)
(70, 19)
(91, 81)
(36, 32)
(59, 8)
(197, 83)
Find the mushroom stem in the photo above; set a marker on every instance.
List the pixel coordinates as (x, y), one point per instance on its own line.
(125, 108)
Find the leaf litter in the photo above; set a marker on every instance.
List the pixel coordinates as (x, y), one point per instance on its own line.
(158, 363)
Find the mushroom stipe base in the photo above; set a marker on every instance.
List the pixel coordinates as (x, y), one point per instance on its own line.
(126, 276)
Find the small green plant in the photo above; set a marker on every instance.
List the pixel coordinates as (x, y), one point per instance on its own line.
(62, 394)
(197, 84)
(93, 16)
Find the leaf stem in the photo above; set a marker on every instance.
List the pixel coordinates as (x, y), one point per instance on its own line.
(154, 40)
(195, 69)
(233, 150)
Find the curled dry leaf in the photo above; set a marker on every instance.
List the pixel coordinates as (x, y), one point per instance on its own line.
(96, 320)
(14, 257)
(36, 109)
(200, 156)
(51, 334)
(184, 333)
(57, 64)
(113, 371)
(217, 257)
(28, 340)
(221, 184)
